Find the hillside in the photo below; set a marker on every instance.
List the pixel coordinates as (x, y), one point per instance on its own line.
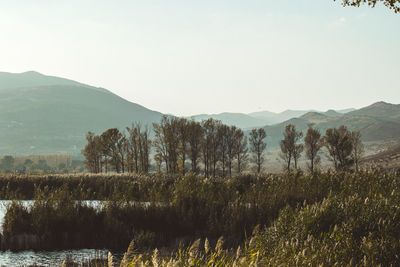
(389, 158)
(43, 114)
(378, 122)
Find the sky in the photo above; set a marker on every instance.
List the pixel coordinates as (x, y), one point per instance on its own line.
(187, 57)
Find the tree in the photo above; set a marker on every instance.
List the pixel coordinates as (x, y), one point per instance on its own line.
(241, 150)
(109, 140)
(313, 145)
(339, 143)
(358, 148)
(290, 149)
(122, 150)
(92, 153)
(144, 149)
(7, 163)
(392, 4)
(28, 163)
(183, 135)
(195, 136)
(298, 149)
(231, 147)
(257, 146)
(133, 154)
(42, 165)
(210, 146)
(222, 135)
(167, 142)
(160, 141)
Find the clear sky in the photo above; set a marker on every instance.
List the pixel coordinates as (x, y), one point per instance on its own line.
(209, 56)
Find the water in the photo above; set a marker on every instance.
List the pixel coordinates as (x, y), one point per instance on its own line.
(45, 258)
(48, 258)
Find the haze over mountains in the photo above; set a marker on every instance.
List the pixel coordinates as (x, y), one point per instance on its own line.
(42, 114)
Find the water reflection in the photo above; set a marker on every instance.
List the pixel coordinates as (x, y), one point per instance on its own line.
(48, 258)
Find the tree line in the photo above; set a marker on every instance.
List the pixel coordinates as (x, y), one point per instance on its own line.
(180, 145)
(344, 147)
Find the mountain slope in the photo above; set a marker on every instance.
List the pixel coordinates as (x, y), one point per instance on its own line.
(54, 114)
(377, 122)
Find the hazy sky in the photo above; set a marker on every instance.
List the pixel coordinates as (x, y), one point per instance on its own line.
(209, 56)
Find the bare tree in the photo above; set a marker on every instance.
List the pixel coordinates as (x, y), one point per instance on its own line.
(358, 148)
(339, 143)
(160, 141)
(210, 146)
(290, 149)
(183, 135)
(313, 144)
(257, 146)
(133, 151)
(222, 135)
(241, 149)
(231, 148)
(144, 148)
(195, 136)
(122, 150)
(166, 142)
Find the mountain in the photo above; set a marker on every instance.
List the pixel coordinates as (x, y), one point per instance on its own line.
(274, 118)
(42, 114)
(261, 118)
(381, 110)
(263, 114)
(332, 113)
(378, 122)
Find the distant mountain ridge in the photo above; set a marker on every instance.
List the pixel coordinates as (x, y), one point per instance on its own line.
(261, 118)
(44, 114)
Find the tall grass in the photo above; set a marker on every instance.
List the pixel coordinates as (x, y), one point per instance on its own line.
(326, 218)
(356, 224)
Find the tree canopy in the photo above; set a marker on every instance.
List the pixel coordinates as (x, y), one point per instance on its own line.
(392, 4)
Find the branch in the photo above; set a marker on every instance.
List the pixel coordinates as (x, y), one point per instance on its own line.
(392, 4)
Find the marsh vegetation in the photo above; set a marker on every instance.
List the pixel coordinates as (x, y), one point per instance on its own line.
(321, 218)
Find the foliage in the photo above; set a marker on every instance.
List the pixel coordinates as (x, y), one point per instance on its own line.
(392, 4)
